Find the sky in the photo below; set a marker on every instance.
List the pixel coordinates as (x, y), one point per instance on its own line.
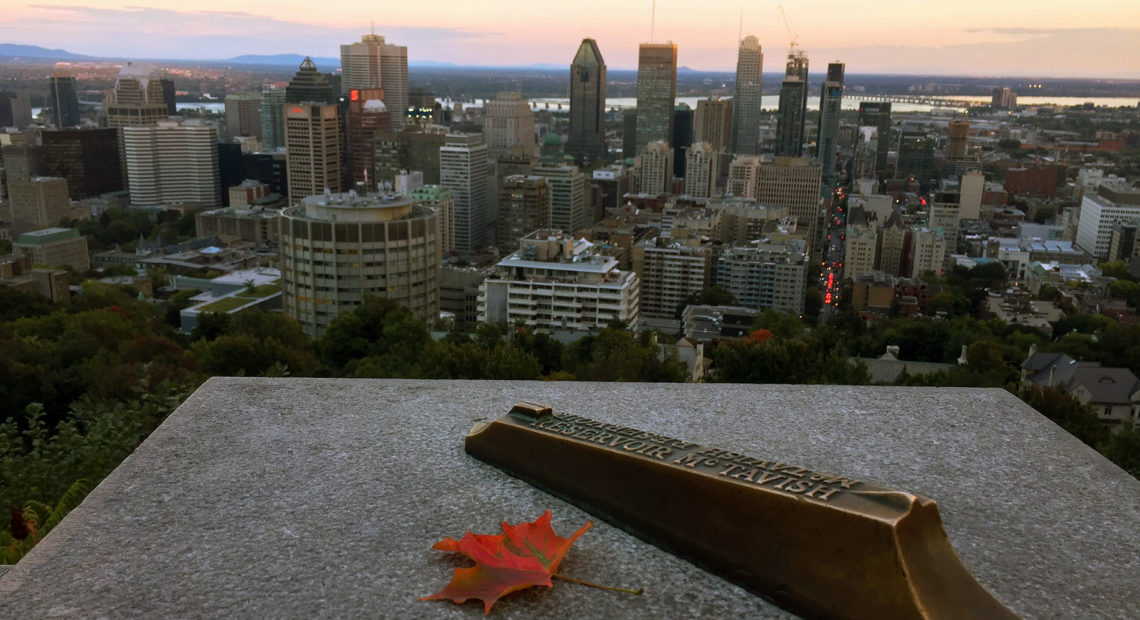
(1046, 38)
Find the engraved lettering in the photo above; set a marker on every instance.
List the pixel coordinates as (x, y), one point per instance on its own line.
(768, 477)
(689, 460)
(747, 476)
(799, 487)
(633, 445)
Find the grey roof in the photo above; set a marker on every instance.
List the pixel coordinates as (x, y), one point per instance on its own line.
(1107, 385)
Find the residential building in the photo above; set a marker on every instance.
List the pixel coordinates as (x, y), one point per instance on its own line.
(745, 102)
(830, 99)
(861, 244)
(655, 168)
(312, 147)
(463, 170)
(765, 275)
(587, 139)
(556, 282)
(670, 270)
(337, 249)
(1100, 212)
(88, 158)
(893, 245)
(945, 216)
(524, 207)
(743, 174)
(656, 91)
(137, 99)
(927, 251)
(55, 247)
(252, 223)
(701, 170)
(567, 191)
(374, 63)
(1113, 394)
(958, 133)
(440, 199)
(792, 113)
(971, 190)
(173, 162)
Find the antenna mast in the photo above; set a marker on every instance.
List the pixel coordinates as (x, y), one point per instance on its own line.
(652, 20)
(740, 30)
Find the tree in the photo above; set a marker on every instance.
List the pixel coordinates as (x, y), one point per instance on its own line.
(378, 328)
(1123, 448)
(715, 295)
(1068, 412)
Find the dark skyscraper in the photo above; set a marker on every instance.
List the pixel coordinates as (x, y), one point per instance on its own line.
(309, 85)
(682, 137)
(64, 101)
(793, 107)
(168, 96)
(830, 98)
(87, 158)
(878, 115)
(656, 90)
(587, 104)
(746, 97)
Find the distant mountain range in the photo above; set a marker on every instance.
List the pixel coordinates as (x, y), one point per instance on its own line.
(12, 50)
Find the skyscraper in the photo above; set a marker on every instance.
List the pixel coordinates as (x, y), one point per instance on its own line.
(878, 115)
(682, 138)
(15, 110)
(173, 162)
(272, 120)
(524, 206)
(700, 170)
(243, 115)
(368, 117)
(746, 97)
(312, 147)
(463, 170)
(88, 158)
(567, 196)
(508, 126)
(308, 84)
(655, 167)
(959, 132)
(656, 90)
(714, 123)
(793, 106)
(587, 104)
(374, 63)
(64, 100)
(830, 98)
(137, 99)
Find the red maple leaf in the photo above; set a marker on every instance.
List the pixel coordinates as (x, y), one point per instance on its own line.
(524, 555)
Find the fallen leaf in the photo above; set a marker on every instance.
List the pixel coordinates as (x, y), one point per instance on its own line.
(524, 555)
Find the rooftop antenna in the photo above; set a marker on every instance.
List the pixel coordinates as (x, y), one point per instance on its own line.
(652, 20)
(373, 26)
(740, 30)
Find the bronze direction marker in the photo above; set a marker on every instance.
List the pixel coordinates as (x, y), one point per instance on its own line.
(818, 544)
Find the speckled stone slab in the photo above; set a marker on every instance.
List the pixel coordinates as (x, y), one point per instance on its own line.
(295, 498)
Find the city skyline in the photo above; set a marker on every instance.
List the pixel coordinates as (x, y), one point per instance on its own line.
(956, 38)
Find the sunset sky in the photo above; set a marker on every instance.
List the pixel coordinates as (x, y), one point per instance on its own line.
(1049, 38)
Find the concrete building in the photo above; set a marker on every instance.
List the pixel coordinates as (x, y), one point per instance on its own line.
(463, 170)
(524, 207)
(656, 92)
(336, 249)
(15, 110)
(791, 182)
(252, 223)
(137, 99)
(713, 123)
(892, 246)
(830, 100)
(743, 174)
(792, 113)
(655, 168)
(568, 206)
(765, 275)
(439, 198)
(926, 251)
(312, 147)
(88, 158)
(368, 117)
(610, 185)
(556, 282)
(1123, 242)
(746, 98)
(243, 116)
(374, 63)
(587, 140)
(508, 126)
(971, 190)
(1100, 211)
(701, 170)
(670, 270)
(55, 247)
(173, 162)
(40, 202)
(860, 246)
(945, 216)
(272, 120)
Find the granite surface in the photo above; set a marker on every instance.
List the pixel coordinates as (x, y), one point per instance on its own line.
(295, 498)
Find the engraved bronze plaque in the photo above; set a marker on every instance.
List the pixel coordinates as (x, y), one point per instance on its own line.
(818, 544)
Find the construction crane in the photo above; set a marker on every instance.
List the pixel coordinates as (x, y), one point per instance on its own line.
(793, 38)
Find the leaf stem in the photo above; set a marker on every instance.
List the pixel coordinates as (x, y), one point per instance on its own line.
(596, 585)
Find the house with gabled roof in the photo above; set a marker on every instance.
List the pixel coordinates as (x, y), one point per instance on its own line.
(1112, 393)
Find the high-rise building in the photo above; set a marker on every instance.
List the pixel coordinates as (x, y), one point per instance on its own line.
(611, 184)
(173, 162)
(746, 98)
(959, 132)
(682, 138)
(463, 170)
(63, 99)
(15, 110)
(508, 126)
(878, 115)
(137, 99)
(169, 96)
(793, 106)
(439, 198)
(312, 147)
(861, 244)
(892, 245)
(272, 120)
(926, 251)
(656, 91)
(866, 152)
(1003, 99)
(567, 196)
(368, 117)
(629, 133)
(374, 63)
(243, 115)
(944, 217)
(407, 150)
(915, 156)
(743, 173)
(670, 271)
(587, 104)
(309, 84)
(792, 182)
(375, 245)
(1100, 211)
(38, 202)
(701, 170)
(972, 188)
(655, 168)
(524, 206)
(830, 99)
(765, 275)
(87, 158)
(714, 121)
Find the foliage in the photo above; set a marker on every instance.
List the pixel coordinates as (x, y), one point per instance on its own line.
(713, 296)
(524, 555)
(28, 526)
(1067, 412)
(1123, 448)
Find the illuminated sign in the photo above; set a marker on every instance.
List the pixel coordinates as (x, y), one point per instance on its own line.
(354, 95)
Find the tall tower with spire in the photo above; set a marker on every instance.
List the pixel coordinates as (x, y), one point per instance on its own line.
(308, 84)
(587, 139)
(656, 91)
(746, 97)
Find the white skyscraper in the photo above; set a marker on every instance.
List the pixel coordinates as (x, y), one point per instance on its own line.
(373, 63)
(173, 162)
(508, 126)
(700, 170)
(463, 170)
